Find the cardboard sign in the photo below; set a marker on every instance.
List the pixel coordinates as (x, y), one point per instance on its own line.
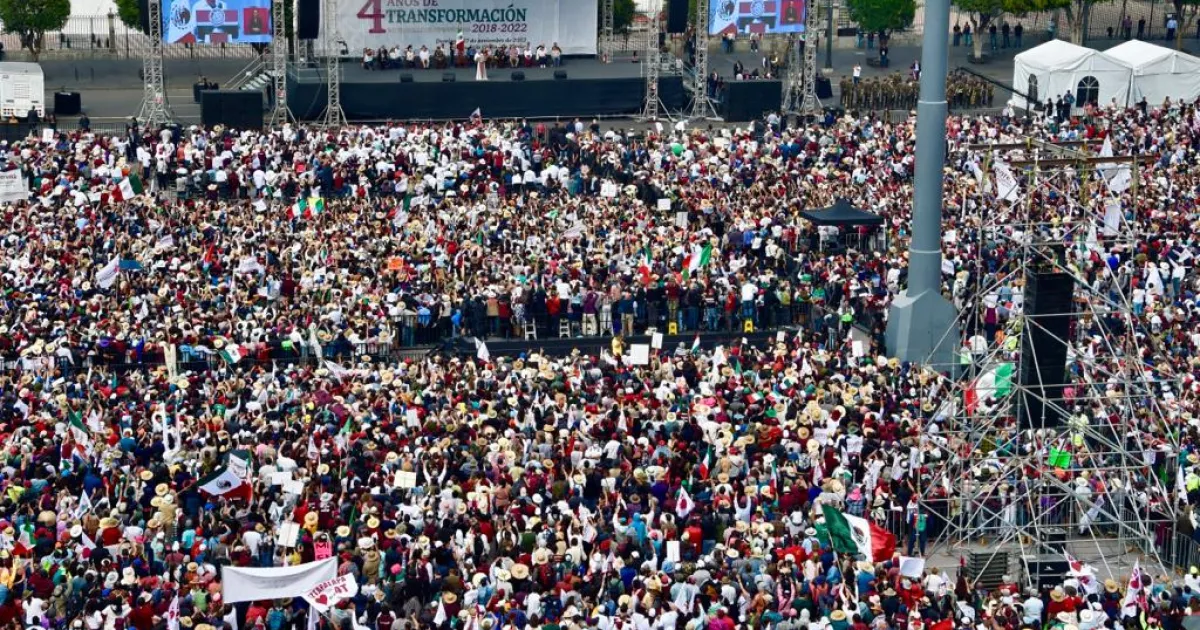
(639, 354)
(395, 263)
(406, 479)
(322, 549)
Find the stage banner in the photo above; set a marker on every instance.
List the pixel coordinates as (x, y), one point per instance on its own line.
(216, 21)
(246, 584)
(480, 23)
(763, 17)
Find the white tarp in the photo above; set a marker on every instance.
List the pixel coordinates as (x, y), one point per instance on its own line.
(1158, 72)
(13, 186)
(483, 23)
(1060, 67)
(244, 585)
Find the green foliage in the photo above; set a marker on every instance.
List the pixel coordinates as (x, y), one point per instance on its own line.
(31, 19)
(876, 16)
(130, 13)
(623, 11)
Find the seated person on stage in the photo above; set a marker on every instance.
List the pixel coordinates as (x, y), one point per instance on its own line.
(499, 57)
(514, 56)
(540, 54)
(395, 56)
(528, 56)
(424, 55)
(439, 58)
(382, 60)
(556, 55)
(368, 59)
(410, 57)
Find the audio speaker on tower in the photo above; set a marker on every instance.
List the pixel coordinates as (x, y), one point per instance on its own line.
(144, 16)
(677, 16)
(308, 19)
(1049, 307)
(236, 109)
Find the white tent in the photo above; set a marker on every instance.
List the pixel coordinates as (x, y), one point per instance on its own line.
(1058, 67)
(1158, 72)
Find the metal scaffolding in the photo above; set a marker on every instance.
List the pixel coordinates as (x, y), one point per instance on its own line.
(334, 116)
(652, 105)
(155, 110)
(702, 104)
(608, 39)
(280, 114)
(1091, 486)
(799, 88)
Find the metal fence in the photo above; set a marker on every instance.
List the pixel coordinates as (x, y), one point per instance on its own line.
(107, 36)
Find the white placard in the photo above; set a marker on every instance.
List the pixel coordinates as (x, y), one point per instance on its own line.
(280, 478)
(572, 24)
(13, 186)
(244, 584)
(288, 534)
(47, 135)
(857, 348)
(294, 487)
(673, 551)
(406, 479)
(656, 341)
(664, 204)
(609, 190)
(639, 354)
(912, 567)
(681, 219)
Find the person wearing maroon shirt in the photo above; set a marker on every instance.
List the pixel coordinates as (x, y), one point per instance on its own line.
(385, 620)
(142, 616)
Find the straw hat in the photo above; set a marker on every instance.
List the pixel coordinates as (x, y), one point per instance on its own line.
(343, 531)
(837, 615)
(519, 571)
(310, 519)
(146, 475)
(161, 489)
(541, 556)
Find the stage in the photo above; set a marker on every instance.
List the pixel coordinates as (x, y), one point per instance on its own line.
(591, 89)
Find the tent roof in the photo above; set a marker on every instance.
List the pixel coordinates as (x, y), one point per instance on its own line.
(1138, 54)
(1056, 54)
(842, 214)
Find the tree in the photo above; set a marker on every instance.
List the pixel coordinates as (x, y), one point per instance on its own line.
(980, 13)
(29, 20)
(623, 11)
(130, 14)
(882, 16)
(1185, 17)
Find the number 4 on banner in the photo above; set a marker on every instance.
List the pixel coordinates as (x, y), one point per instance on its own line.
(373, 11)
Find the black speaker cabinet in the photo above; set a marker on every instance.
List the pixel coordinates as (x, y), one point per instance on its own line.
(236, 109)
(823, 88)
(518, 75)
(67, 104)
(1045, 571)
(677, 16)
(144, 16)
(308, 19)
(560, 74)
(447, 77)
(406, 77)
(1049, 308)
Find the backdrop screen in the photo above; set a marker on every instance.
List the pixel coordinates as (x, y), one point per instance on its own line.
(764, 17)
(217, 21)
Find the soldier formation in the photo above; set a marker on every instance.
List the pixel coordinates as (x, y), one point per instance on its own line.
(900, 90)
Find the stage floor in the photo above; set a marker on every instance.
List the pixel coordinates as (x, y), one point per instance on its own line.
(575, 69)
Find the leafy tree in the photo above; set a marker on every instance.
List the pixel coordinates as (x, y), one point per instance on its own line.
(882, 16)
(29, 20)
(980, 14)
(1185, 16)
(130, 14)
(623, 11)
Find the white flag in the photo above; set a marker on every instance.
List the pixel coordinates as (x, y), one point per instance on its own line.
(481, 350)
(1007, 187)
(685, 504)
(1121, 179)
(1129, 603)
(108, 273)
(85, 504)
(173, 614)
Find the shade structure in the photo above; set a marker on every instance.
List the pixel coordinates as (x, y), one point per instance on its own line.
(1158, 72)
(1057, 67)
(842, 214)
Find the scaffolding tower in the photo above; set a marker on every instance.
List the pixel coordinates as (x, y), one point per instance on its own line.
(280, 114)
(334, 116)
(1082, 480)
(702, 105)
(608, 38)
(652, 106)
(155, 110)
(799, 88)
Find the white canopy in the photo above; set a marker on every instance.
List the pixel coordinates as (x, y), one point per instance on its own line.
(1158, 72)
(1058, 67)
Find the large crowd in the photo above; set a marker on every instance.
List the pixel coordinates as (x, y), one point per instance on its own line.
(175, 302)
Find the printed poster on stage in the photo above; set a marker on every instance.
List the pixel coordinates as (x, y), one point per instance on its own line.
(762, 17)
(572, 24)
(216, 21)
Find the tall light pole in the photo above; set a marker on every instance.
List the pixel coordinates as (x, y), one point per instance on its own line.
(922, 324)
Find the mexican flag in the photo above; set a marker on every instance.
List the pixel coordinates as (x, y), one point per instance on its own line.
(80, 435)
(696, 344)
(995, 382)
(127, 188)
(706, 463)
(316, 205)
(225, 483)
(644, 266)
(25, 543)
(854, 535)
(232, 353)
(700, 257)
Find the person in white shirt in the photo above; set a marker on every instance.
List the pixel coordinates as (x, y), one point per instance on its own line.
(424, 55)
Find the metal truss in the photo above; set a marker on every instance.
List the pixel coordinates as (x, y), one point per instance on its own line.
(996, 482)
(334, 116)
(155, 110)
(608, 38)
(799, 88)
(280, 114)
(702, 105)
(652, 106)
